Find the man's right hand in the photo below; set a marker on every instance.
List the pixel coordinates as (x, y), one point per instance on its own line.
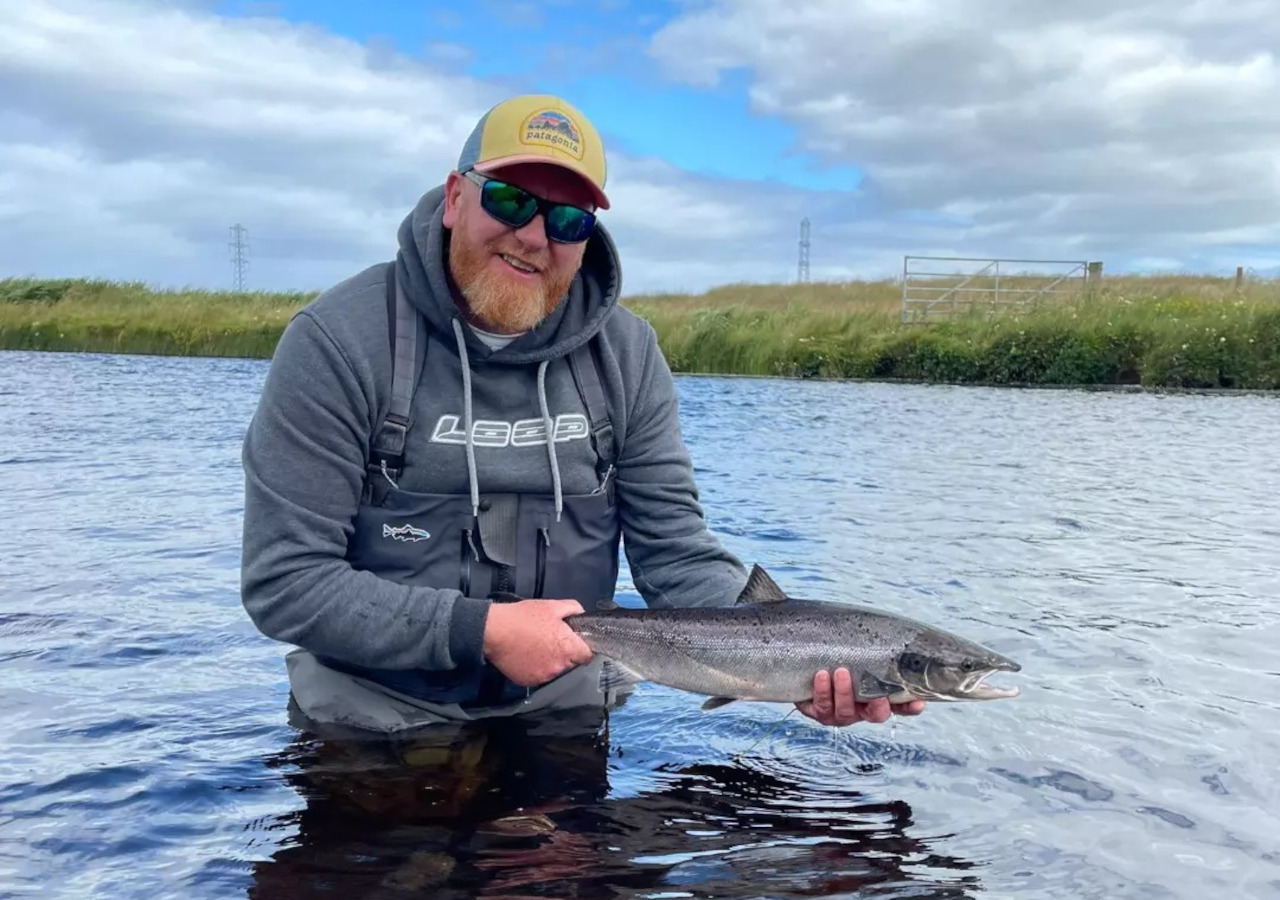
(529, 642)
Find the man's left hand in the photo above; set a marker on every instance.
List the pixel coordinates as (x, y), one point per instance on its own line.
(834, 702)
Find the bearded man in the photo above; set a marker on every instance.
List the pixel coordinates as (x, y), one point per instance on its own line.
(476, 420)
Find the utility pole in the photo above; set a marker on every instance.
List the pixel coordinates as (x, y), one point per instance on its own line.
(802, 273)
(239, 254)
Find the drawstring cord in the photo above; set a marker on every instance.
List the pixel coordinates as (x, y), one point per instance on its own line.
(472, 481)
(551, 436)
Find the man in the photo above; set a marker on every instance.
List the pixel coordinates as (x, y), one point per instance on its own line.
(530, 423)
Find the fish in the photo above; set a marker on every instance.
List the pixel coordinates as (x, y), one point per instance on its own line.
(768, 646)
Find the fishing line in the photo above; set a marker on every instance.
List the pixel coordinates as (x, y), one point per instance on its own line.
(738, 756)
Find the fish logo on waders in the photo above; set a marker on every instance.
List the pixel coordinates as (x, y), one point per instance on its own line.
(405, 533)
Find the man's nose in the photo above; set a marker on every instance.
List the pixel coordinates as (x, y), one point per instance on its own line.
(534, 232)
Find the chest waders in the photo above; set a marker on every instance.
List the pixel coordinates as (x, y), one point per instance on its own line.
(515, 543)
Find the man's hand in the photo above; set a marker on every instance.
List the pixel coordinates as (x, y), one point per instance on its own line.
(834, 702)
(529, 642)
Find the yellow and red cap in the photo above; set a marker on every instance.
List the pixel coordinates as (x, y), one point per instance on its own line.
(538, 128)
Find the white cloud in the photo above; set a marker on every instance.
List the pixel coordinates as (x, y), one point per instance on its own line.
(1133, 130)
(141, 133)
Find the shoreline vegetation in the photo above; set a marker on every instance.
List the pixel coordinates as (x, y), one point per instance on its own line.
(1173, 331)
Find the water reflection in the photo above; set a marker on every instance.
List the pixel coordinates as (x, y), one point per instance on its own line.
(525, 808)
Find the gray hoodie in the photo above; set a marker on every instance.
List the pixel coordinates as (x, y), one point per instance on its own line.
(327, 389)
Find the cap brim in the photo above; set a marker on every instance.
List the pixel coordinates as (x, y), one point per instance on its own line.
(489, 166)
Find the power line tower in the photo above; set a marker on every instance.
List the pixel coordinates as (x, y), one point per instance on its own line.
(239, 254)
(802, 274)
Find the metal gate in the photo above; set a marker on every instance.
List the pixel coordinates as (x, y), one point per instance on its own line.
(943, 286)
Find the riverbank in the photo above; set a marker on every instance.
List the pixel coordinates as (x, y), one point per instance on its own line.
(1187, 332)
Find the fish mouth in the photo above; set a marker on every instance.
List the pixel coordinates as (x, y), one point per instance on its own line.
(975, 687)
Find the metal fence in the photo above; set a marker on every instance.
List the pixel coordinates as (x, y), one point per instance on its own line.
(943, 286)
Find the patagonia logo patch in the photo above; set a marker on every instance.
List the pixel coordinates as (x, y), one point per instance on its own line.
(552, 128)
(405, 533)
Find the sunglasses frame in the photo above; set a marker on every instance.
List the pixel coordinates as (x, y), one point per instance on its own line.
(542, 205)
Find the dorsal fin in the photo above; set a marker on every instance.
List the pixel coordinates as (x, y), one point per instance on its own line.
(760, 588)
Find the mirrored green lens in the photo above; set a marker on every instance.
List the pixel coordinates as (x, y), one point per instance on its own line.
(509, 203)
(569, 224)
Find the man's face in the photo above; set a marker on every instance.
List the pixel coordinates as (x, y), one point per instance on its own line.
(512, 278)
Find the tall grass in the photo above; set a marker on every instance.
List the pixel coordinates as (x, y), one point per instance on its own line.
(115, 317)
(1168, 331)
(1174, 331)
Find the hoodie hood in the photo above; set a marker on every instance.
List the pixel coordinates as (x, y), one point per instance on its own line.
(422, 262)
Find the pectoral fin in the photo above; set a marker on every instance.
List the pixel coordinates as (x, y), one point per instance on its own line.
(614, 675)
(717, 702)
(869, 687)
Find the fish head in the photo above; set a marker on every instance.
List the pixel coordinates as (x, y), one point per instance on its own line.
(940, 666)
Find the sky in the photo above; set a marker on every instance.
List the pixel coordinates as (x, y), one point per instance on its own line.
(135, 133)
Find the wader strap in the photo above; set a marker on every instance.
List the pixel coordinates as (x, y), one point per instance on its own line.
(387, 454)
(586, 373)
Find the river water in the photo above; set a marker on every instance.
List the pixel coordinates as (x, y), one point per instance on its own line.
(1121, 546)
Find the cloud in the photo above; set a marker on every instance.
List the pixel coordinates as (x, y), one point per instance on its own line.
(1138, 130)
(141, 133)
(449, 54)
(134, 135)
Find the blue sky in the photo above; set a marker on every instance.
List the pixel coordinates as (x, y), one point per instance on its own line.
(592, 53)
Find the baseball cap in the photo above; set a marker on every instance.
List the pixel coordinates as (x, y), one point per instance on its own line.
(537, 128)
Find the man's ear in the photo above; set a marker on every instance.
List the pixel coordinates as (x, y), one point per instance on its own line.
(452, 198)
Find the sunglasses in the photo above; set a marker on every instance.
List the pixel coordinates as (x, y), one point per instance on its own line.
(516, 207)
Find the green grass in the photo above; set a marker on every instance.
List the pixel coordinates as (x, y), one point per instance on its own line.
(113, 317)
(1170, 331)
(1167, 332)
